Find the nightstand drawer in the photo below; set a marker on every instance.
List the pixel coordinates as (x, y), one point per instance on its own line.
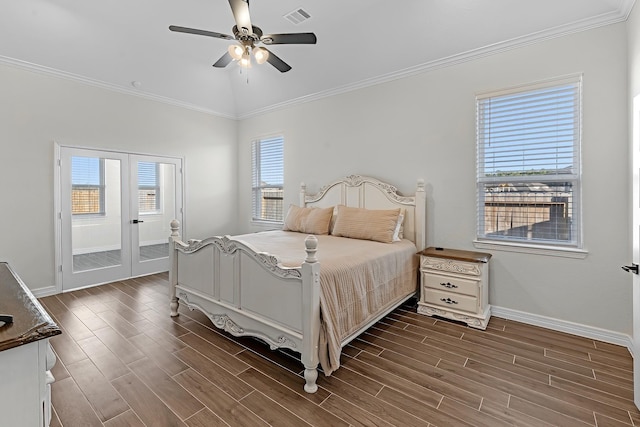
(451, 266)
(450, 300)
(450, 284)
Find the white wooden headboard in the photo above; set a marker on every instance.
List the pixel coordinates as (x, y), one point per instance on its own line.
(369, 193)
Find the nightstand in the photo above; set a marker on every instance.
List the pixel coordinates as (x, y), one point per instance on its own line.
(455, 284)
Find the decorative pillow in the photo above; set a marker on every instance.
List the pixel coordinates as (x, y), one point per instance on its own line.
(398, 233)
(308, 220)
(366, 224)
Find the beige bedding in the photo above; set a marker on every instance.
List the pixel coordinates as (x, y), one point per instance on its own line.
(358, 279)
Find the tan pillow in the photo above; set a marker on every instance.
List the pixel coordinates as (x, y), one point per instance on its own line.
(308, 220)
(367, 224)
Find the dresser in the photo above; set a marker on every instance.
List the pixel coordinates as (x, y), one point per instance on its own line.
(26, 358)
(454, 284)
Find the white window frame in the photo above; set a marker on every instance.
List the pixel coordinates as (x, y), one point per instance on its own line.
(259, 163)
(570, 248)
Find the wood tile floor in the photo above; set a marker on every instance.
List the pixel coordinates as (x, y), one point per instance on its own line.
(122, 361)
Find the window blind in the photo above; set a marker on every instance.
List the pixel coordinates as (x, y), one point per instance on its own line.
(268, 179)
(528, 164)
(85, 171)
(147, 174)
(148, 187)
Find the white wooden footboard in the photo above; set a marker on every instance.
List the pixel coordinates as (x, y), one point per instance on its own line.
(244, 292)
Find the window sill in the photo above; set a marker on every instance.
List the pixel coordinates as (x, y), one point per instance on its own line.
(532, 249)
(267, 225)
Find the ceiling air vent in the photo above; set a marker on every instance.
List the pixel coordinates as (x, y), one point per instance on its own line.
(297, 16)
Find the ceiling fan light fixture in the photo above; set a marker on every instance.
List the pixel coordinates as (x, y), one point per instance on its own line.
(261, 55)
(245, 60)
(236, 51)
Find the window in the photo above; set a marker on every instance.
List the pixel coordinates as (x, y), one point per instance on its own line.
(268, 177)
(148, 187)
(87, 186)
(528, 164)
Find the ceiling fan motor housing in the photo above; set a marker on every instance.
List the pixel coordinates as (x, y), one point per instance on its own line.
(246, 38)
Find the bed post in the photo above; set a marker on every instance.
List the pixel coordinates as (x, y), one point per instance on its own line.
(303, 194)
(421, 215)
(173, 267)
(310, 314)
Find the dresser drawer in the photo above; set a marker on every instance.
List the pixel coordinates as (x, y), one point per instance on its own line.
(450, 284)
(450, 300)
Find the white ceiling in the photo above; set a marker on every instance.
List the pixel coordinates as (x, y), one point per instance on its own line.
(112, 43)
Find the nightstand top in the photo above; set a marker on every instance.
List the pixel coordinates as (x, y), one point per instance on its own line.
(456, 254)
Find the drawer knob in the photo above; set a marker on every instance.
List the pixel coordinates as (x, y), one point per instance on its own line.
(448, 301)
(448, 285)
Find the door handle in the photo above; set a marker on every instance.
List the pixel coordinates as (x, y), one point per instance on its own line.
(633, 268)
(136, 221)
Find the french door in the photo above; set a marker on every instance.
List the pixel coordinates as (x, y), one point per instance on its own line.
(115, 210)
(635, 173)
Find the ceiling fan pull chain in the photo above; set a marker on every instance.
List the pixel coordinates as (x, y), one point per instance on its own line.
(246, 71)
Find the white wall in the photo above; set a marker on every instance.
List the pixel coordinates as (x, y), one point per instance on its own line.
(633, 54)
(37, 110)
(423, 126)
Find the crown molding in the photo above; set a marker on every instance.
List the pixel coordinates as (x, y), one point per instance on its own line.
(621, 14)
(25, 65)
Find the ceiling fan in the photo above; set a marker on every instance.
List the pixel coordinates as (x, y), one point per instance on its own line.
(248, 36)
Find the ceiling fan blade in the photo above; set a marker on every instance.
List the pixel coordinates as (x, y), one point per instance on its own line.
(292, 38)
(272, 59)
(223, 61)
(200, 32)
(240, 9)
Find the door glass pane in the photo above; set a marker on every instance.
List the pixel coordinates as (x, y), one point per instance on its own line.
(156, 208)
(96, 213)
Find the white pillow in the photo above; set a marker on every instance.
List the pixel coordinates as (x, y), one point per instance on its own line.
(398, 233)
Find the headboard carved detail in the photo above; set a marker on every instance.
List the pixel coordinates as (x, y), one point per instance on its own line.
(357, 181)
(371, 193)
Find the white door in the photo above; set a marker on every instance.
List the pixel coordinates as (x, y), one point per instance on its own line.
(636, 249)
(157, 186)
(113, 210)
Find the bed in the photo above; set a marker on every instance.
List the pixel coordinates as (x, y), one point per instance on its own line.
(308, 292)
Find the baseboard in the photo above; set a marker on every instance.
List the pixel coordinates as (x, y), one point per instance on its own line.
(44, 292)
(578, 329)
